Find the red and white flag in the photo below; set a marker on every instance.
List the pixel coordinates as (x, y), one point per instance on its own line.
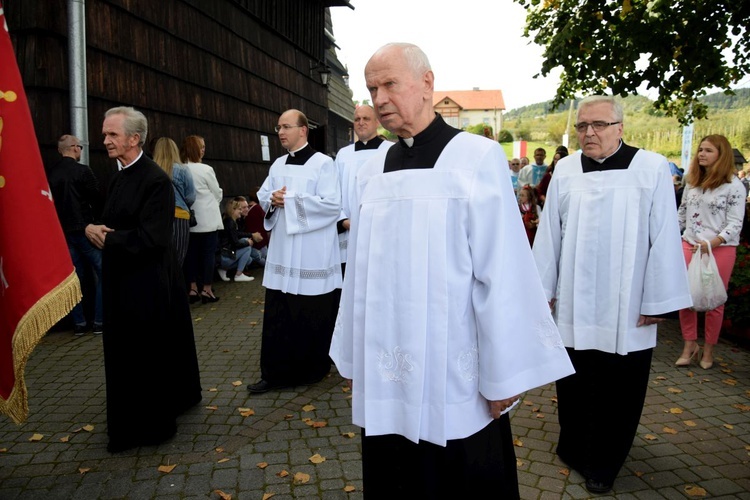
(38, 284)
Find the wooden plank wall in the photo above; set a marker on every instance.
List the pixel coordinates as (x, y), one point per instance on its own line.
(222, 69)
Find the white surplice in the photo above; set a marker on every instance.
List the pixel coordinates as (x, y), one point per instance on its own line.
(608, 249)
(442, 308)
(348, 162)
(303, 253)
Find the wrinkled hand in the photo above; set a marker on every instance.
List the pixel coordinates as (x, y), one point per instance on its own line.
(277, 197)
(96, 234)
(648, 320)
(498, 407)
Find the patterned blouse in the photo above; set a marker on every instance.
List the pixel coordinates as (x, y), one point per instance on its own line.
(714, 212)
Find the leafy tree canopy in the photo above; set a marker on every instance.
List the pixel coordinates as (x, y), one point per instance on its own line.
(681, 48)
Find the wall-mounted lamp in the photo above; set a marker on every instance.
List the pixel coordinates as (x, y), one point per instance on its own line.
(324, 72)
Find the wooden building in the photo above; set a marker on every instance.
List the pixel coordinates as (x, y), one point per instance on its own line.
(222, 69)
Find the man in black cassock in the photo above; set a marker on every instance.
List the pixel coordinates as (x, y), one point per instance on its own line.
(150, 361)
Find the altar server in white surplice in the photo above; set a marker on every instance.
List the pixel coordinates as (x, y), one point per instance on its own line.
(609, 254)
(302, 200)
(432, 329)
(348, 161)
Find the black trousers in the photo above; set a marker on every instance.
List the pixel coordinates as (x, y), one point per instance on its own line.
(599, 408)
(482, 465)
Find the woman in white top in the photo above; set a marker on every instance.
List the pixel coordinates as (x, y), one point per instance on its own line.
(711, 213)
(204, 237)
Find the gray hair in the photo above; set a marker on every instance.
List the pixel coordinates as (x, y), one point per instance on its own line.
(135, 122)
(416, 59)
(65, 141)
(596, 99)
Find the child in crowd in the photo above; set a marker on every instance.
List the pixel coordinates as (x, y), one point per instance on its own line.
(235, 251)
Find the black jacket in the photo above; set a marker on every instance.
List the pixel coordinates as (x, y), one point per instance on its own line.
(75, 192)
(230, 237)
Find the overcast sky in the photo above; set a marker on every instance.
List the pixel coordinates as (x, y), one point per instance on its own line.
(470, 43)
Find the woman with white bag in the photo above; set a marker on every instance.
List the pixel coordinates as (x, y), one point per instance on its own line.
(710, 215)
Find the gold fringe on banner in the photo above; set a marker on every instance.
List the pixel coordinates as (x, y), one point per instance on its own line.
(30, 329)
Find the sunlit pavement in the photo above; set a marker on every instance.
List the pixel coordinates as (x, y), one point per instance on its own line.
(693, 441)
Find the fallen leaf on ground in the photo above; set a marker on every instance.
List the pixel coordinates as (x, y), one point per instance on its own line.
(318, 425)
(669, 430)
(262, 465)
(741, 407)
(219, 450)
(77, 430)
(308, 421)
(639, 473)
(64, 439)
(519, 463)
(690, 423)
(266, 496)
(526, 402)
(564, 472)
(674, 390)
(288, 416)
(224, 496)
(675, 411)
(253, 323)
(695, 491)
(283, 473)
(237, 383)
(36, 437)
(553, 399)
(213, 389)
(212, 407)
(349, 488)
(349, 434)
(88, 428)
(166, 469)
(308, 408)
(301, 478)
(518, 442)
(730, 381)
(84, 470)
(729, 426)
(539, 415)
(535, 409)
(3, 450)
(223, 460)
(346, 388)
(317, 459)
(650, 437)
(661, 377)
(246, 412)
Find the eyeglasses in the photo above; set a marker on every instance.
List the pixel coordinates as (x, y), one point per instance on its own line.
(597, 126)
(515, 164)
(285, 127)
(76, 146)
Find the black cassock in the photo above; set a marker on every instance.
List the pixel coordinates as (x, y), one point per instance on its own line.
(150, 360)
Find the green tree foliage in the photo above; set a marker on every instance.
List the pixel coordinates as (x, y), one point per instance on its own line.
(504, 136)
(681, 48)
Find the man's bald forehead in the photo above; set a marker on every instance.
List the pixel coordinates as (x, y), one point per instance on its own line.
(365, 110)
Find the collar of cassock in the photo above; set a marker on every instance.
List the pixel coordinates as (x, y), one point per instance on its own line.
(373, 143)
(120, 166)
(300, 156)
(619, 160)
(422, 150)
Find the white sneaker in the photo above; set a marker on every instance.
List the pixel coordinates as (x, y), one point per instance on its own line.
(242, 277)
(222, 274)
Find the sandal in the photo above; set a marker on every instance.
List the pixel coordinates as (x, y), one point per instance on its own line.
(193, 296)
(208, 297)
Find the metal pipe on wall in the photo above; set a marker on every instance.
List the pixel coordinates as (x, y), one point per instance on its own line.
(79, 124)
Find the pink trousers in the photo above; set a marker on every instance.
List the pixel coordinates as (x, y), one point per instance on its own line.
(725, 257)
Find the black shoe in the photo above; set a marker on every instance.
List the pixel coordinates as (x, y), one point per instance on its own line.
(98, 329)
(208, 297)
(597, 486)
(79, 330)
(193, 296)
(262, 386)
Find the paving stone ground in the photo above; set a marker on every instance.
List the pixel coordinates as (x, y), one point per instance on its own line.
(694, 435)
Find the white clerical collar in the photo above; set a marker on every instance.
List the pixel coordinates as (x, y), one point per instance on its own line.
(120, 166)
(292, 153)
(605, 158)
(409, 141)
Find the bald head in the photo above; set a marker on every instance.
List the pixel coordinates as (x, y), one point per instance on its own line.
(365, 123)
(292, 129)
(401, 84)
(70, 146)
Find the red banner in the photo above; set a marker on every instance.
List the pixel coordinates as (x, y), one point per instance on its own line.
(38, 285)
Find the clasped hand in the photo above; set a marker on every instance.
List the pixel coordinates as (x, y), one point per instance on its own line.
(96, 234)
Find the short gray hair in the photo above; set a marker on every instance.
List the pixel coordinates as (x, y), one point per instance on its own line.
(416, 59)
(135, 122)
(595, 99)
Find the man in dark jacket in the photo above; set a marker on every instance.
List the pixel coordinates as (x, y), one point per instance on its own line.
(78, 203)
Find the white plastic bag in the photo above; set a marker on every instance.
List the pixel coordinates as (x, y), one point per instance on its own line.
(706, 287)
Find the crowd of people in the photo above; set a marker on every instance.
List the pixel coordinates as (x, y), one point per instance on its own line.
(424, 321)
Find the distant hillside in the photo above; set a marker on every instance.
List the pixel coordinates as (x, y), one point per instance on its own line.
(638, 103)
